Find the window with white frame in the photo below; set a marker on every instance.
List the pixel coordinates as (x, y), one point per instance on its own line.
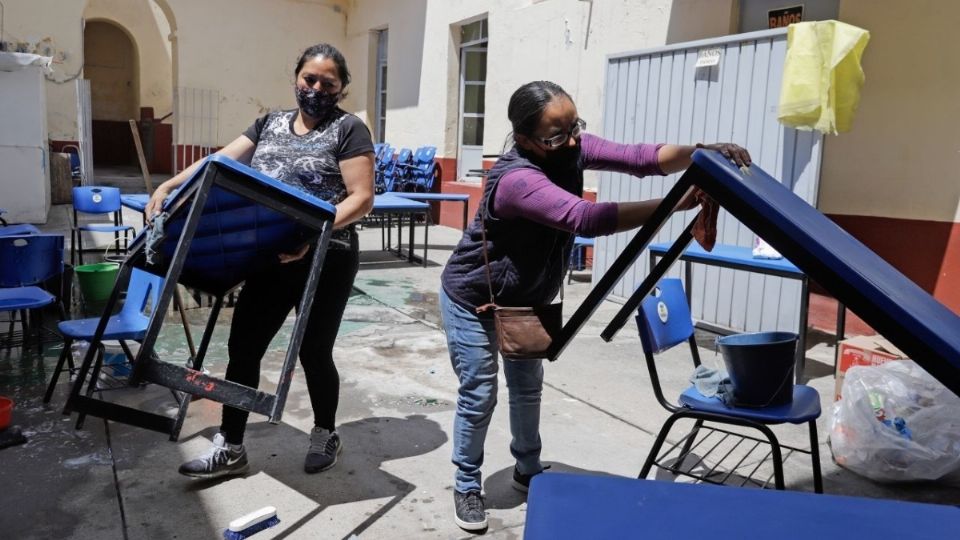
(380, 128)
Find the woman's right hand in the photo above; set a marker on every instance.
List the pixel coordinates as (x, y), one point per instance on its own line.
(155, 204)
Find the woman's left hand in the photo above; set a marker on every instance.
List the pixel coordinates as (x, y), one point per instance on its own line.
(733, 152)
(290, 257)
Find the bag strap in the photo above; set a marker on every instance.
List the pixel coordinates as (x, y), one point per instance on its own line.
(486, 266)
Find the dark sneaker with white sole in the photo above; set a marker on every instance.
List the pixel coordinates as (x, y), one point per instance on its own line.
(521, 482)
(325, 447)
(469, 512)
(221, 460)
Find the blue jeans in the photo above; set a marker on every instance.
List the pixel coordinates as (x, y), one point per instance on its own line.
(473, 353)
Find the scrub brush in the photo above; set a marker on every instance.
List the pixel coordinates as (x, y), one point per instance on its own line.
(251, 524)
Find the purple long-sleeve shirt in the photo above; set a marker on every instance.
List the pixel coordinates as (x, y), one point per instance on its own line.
(529, 194)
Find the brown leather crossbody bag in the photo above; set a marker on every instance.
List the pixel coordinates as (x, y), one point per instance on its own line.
(523, 333)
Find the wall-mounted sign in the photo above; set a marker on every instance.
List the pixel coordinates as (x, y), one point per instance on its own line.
(778, 18)
(708, 57)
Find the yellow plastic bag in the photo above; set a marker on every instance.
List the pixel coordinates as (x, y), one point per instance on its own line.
(822, 76)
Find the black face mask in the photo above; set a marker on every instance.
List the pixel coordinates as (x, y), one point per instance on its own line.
(314, 103)
(561, 159)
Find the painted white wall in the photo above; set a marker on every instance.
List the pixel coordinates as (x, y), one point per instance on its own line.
(902, 157)
(527, 41)
(52, 28)
(247, 49)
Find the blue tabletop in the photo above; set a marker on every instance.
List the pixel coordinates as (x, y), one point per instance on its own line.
(723, 253)
(238, 235)
(895, 306)
(388, 202)
(564, 505)
(136, 201)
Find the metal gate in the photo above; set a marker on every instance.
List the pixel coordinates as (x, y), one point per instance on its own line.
(659, 95)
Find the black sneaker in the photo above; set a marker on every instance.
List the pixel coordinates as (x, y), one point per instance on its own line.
(470, 515)
(521, 482)
(221, 460)
(325, 446)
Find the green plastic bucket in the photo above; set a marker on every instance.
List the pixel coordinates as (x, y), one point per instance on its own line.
(96, 280)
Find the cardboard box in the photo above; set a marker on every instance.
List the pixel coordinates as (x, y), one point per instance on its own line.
(863, 351)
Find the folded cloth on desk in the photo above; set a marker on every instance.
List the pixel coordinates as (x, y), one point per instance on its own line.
(713, 383)
(705, 229)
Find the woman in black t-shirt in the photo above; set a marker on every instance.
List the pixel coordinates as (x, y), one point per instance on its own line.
(327, 152)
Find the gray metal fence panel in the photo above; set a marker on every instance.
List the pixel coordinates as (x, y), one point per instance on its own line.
(659, 96)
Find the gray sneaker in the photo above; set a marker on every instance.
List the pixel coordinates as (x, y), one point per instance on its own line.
(221, 460)
(325, 446)
(470, 514)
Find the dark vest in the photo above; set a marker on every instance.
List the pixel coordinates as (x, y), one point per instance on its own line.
(527, 260)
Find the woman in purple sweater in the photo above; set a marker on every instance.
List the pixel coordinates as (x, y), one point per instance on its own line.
(532, 208)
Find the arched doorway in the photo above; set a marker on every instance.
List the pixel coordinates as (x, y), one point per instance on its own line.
(111, 65)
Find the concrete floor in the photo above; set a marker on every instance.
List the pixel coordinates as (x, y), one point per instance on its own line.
(398, 393)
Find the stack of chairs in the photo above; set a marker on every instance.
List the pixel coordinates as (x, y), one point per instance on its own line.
(405, 170)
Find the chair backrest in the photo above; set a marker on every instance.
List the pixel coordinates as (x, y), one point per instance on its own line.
(405, 156)
(385, 155)
(663, 318)
(29, 260)
(424, 155)
(142, 294)
(96, 199)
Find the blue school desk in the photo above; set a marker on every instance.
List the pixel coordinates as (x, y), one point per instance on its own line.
(561, 506)
(923, 328)
(227, 222)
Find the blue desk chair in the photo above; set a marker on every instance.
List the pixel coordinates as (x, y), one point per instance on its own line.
(15, 230)
(97, 200)
(130, 324)
(25, 262)
(422, 170)
(664, 321)
(383, 169)
(402, 170)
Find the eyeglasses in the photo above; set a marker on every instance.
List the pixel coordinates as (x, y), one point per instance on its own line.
(561, 138)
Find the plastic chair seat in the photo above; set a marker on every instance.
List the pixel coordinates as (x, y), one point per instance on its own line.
(105, 228)
(19, 230)
(17, 298)
(118, 327)
(804, 408)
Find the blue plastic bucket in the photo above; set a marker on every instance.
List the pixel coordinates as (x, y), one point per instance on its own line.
(760, 366)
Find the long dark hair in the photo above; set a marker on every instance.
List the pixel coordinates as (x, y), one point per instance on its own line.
(327, 51)
(526, 107)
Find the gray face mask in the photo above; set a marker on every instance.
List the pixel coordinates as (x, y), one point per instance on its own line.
(315, 103)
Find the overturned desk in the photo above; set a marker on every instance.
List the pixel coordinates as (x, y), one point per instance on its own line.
(224, 224)
(926, 330)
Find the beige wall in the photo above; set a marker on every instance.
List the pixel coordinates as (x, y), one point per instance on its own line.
(149, 34)
(51, 27)
(902, 157)
(527, 41)
(247, 49)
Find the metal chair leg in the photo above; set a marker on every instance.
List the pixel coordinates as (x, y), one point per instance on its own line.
(686, 446)
(815, 458)
(92, 385)
(657, 445)
(64, 354)
(777, 456)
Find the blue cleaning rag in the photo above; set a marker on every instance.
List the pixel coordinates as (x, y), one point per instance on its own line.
(713, 382)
